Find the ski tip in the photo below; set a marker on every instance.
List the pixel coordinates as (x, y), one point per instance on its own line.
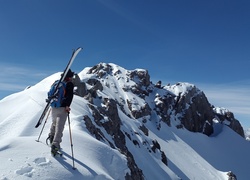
(78, 49)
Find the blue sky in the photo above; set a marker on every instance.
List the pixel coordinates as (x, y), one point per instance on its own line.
(206, 43)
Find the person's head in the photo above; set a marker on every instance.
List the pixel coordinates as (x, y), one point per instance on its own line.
(69, 75)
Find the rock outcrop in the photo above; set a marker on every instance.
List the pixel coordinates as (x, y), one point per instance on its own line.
(195, 112)
(116, 95)
(226, 117)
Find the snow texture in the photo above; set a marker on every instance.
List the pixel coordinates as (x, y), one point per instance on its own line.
(190, 155)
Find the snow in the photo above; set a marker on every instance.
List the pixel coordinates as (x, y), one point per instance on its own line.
(180, 88)
(190, 155)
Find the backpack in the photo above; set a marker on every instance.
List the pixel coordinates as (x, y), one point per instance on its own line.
(58, 96)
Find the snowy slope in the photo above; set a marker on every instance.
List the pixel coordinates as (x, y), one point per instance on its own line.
(190, 155)
(24, 157)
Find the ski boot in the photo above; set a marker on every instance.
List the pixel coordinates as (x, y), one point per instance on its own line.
(55, 151)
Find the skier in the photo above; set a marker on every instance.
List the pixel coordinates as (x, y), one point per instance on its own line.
(59, 114)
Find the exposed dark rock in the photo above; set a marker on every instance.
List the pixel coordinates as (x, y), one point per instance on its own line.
(164, 158)
(81, 89)
(113, 123)
(197, 113)
(140, 111)
(236, 126)
(179, 126)
(155, 146)
(164, 104)
(96, 131)
(100, 69)
(136, 173)
(96, 114)
(136, 142)
(231, 176)
(141, 77)
(144, 129)
(112, 127)
(92, 129)
(96, 85)
(208, 129)
(233, 123)
(158, 84)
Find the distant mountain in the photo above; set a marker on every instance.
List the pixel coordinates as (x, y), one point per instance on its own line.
(127, 127)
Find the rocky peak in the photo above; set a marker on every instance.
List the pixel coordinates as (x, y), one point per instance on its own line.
(101, 69)
(181, 102)
(116, 95)
(140, 77)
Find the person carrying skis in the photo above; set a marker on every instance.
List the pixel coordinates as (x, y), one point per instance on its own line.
(59, 110)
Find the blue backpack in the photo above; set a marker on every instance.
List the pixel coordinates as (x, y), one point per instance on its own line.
(58, 96)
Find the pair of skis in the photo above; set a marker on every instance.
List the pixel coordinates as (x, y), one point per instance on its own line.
(74, 54)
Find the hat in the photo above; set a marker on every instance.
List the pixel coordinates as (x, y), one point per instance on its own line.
(69, 74)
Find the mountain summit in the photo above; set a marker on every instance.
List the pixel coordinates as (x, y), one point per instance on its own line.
(182, 104)
(125, 127)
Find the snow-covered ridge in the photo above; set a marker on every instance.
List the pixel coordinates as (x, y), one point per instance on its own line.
(123, 127)
(182, 88)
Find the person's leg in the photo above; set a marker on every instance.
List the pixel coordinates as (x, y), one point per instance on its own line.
(53, 125)
(59, 126)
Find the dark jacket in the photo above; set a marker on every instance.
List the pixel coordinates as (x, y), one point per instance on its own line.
(68, 97)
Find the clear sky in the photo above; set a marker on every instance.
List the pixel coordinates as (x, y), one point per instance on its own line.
(206, 43)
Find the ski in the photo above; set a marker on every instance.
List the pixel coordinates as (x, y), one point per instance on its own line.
(73, 56)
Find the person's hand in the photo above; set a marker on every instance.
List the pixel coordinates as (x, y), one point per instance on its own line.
(67, 109)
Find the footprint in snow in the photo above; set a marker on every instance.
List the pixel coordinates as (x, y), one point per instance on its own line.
(41, 161)
(26, 171)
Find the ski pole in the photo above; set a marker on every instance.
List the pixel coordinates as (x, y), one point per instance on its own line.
(43, 125)
(71, 143)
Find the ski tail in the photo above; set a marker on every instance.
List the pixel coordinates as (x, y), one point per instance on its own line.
(43, 115)
(72, 58)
